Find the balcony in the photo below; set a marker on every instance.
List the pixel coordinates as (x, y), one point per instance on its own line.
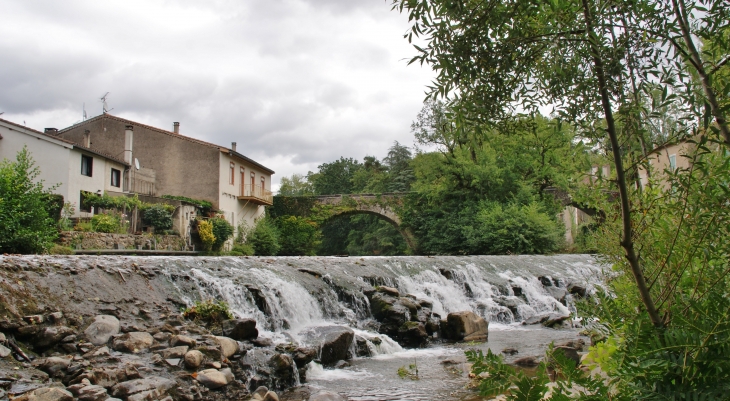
(256, 195)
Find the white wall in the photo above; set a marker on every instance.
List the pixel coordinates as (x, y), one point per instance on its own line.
(51, 156)
(237, 210)
(98, 183)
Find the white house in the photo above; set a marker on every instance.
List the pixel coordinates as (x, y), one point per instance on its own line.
(72, 168)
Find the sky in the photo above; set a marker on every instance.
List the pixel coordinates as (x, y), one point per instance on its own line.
(296, 83)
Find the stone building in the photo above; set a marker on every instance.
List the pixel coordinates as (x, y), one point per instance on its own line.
(167, 163)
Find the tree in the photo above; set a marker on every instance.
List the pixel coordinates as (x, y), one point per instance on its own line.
(264, 238)
(398, 162)
(335, 177)
(27, 226)
(298, 236)
(297, 185)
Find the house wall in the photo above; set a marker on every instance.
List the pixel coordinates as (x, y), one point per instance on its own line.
(99, 182)
(660, 162)
(50, 156)
(236, 210)
(181, 165)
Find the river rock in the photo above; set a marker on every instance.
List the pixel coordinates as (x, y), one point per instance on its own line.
(528, 361)
(51, 336)
(193, 359)
(334, 342)
(213, 378)
(393, 292)
(412, 333)
(180, 339)
(46, 394)
(570, 353)
(326, 396)
(4, 351)
(555, 320)
(92, 393)
(100, 331)
(133, 342)
(54, 366)
(174, 352)
(577, 290)
(154, 387)
(229, 346)
(240, 329)
(465, 326)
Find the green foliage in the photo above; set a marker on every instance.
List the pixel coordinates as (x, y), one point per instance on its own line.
(158, 216)
(290, 206)
(105, 223)
(208, 312)
(204, 206)
(64, 223)
(26, 224)
(60, 250)
(222, 230)
(335, 177)
(242, 250)
(205, 232)
(297, 185)
(410, 372)
(111, 202)
(264, 238)
(297, 236)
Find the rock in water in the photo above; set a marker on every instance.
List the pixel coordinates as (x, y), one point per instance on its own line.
(103, 327)
(326, 396)
(46, 394)
(334, 342)
(153, 387)
(570, 353)
(193, 359)
(465, 326)
(240, 329)
(229, 347)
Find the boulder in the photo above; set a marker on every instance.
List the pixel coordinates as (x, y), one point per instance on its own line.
(465, 326)
(100, 331)
(334, 342)
(92, 393)
(54, 366)
(134, 342)
(152, 386)
(174, 352)
(240, 329)
(528, 361)
(46, 394)
(577, 290)
(569, 352)
(213, 378)
(4, 351)
(51, 336)
(412, 333)
(228, 346)
(179, 340)
(326, 396)
(303, 355)
(193, 359)
(555, 320)
(393, 292)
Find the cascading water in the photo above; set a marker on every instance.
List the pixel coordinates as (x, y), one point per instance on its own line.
(290, 295)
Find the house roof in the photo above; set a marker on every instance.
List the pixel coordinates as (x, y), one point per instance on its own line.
(51, 138)
(170, 133)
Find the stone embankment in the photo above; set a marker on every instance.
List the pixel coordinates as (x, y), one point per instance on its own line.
(92, 240)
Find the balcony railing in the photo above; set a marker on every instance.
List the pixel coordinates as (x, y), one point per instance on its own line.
(256, 194)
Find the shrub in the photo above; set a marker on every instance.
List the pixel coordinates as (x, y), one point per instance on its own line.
(60, 250)
(105, 223)
(208, 312)
(205, 231)
(222, 230)
(65, 224)
(204, 206)
(158, 216)
(26, 224)
(297, 236)
(242, 250)
(265, 238)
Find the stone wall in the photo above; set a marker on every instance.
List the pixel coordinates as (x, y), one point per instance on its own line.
(87, 240)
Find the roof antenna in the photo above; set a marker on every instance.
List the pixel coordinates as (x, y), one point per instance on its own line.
(104, 105)
(83, 108)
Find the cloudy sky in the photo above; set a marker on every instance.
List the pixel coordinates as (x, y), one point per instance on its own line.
(294, 82)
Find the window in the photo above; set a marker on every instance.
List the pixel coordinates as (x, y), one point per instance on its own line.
(232, 174)
(673, 162)
(116, 175)
(87, 164)
(263, 184)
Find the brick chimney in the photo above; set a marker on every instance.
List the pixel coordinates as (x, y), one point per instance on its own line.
(176, 127)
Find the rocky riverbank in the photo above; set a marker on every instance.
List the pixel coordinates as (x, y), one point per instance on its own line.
(105, 328)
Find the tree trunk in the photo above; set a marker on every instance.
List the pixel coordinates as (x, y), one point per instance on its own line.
(627, 235)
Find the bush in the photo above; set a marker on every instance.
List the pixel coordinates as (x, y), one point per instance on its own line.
(298, 236)
(242, 250)
(205, 231)
(265, 238)
(158, 216)
(26, 224)
(60, 250)
(105, 223)
(208, 312)
(204, 206)
(222, 230)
